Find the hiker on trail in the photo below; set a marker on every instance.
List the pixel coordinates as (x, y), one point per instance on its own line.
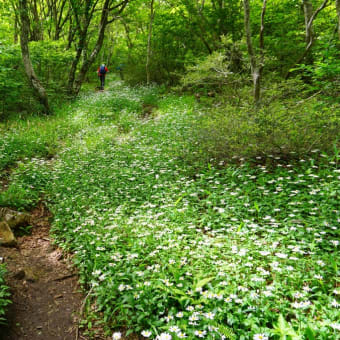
(102, 70)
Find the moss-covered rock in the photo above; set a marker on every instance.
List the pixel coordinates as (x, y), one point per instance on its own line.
(13, 218)
(7, 237)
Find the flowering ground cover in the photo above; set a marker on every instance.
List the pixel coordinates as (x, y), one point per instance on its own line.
(175, 249)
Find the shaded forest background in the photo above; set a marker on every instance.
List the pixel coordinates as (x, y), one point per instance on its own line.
(277, 59)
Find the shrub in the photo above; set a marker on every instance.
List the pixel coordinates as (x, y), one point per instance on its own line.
(278, 129)
(4, 294)
(15, 93)
(216, 72)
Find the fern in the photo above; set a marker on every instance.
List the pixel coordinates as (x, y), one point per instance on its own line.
(226, 331)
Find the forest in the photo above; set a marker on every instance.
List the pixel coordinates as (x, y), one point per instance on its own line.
(169, 169)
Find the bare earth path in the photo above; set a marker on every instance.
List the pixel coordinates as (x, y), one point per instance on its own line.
(45, 293)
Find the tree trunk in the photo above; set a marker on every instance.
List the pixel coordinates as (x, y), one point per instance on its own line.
(98, 45)
(15, 29)
(104, 21)
(194, 32)
(110, 47)
(309, 32)
(195, 10)
(72, 73)
(60, 20)
(37, 31)
(309, 36)
(128, 40)
(32, 78)
(256, 68)
(82, 21)
(338, 13)
(308, 13)
(71, 32)
(203, 23)
(148, 54)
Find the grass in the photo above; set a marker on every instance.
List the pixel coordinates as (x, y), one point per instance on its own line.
(172, 248)
(4, 294)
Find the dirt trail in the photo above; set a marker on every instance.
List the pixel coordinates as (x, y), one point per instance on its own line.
(45, 292)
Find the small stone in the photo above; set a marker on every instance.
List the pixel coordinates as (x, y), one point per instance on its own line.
(30, 275)
(7, 238)
(13, 218)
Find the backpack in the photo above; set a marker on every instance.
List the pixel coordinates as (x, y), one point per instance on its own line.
(102, 69)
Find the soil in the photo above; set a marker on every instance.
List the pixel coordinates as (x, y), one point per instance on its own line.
(46, 296)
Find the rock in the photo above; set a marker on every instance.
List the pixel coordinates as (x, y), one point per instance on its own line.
(6, 236)
(14, 218)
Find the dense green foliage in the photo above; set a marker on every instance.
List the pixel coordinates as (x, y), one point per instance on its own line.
(169, 243)
(46, 57)
(205, 205)
(183, 33)
(4, 294)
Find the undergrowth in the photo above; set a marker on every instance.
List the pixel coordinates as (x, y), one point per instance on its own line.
(175, 246)
(4, 294)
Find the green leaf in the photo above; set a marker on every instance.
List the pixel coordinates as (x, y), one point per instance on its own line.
(284, 329)
(309, 333)
(203, 282)
(225, 330)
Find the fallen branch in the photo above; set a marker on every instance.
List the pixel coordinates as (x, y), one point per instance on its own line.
(304, 100)
(65, 277)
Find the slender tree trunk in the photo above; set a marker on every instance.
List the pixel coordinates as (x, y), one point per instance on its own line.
(104, 21)
(338, 13)
(39, 90)
(203, 23)
(37, 31)
(70, 36)
(110, 47)
(128, 39)
(82, 35)
(75, 62)
(308, 12)
(60, 21)
(309, 31)
(200, 35)
(261, 62)
(15, 29)
(309, 36)
(98, 45)
(256, 68)
(148, 54)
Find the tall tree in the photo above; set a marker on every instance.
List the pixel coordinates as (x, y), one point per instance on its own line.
(82, 11)
(83, 14)
(148, 53)
(337, 3)
(37, 31)
(255, 63)
(109, 8)
(310, 16)
(35, 83)
(195, 9)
